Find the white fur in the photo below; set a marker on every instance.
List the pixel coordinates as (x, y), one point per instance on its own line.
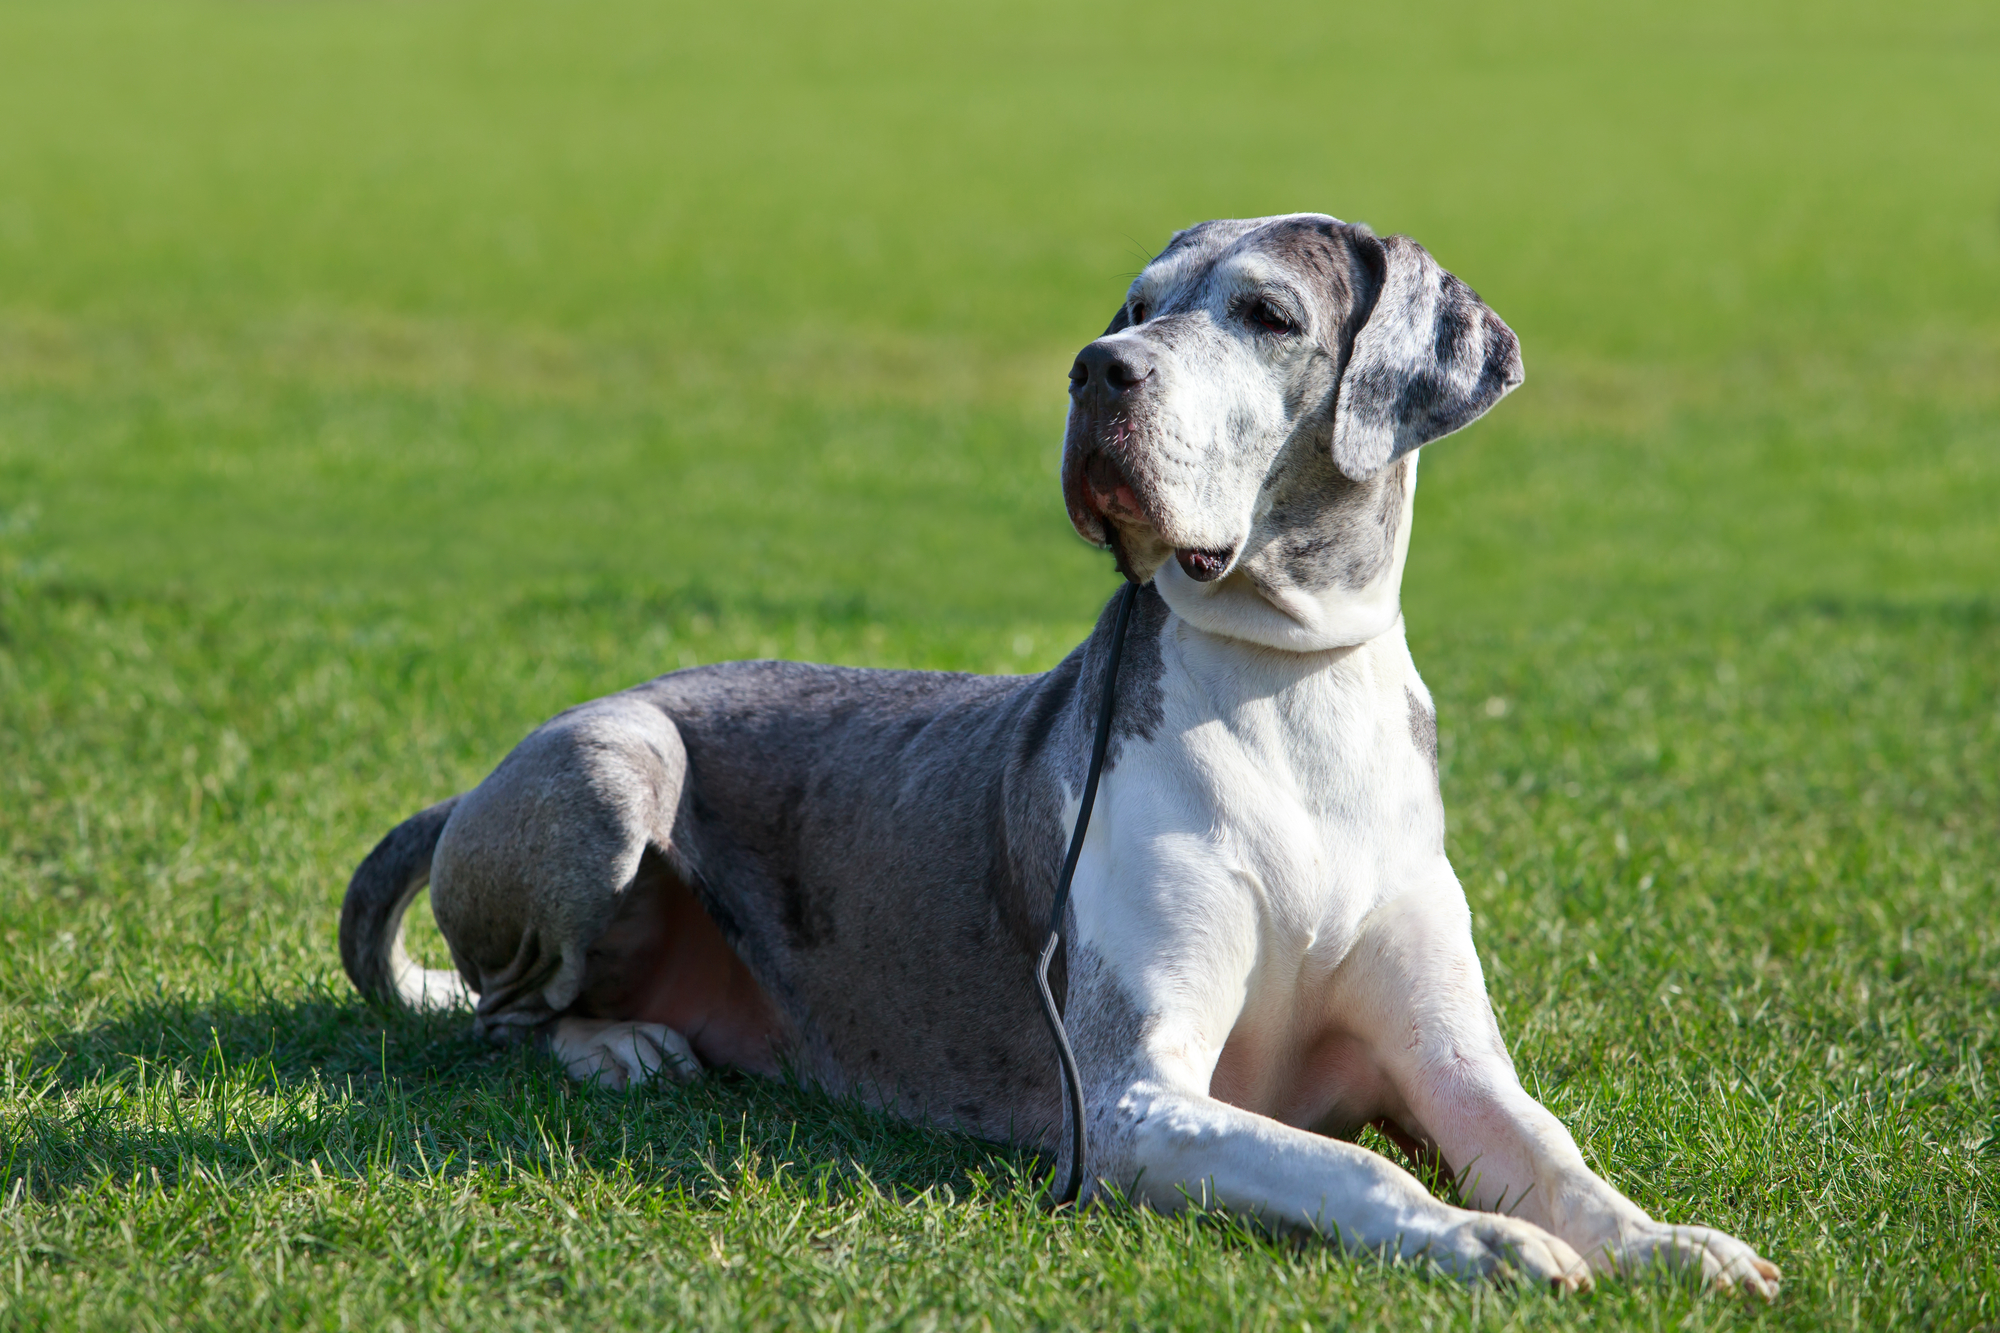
(1268, 939)
(1219, 411)
(1268, 872)
(616, 1053)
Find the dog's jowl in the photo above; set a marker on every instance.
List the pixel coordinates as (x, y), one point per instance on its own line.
(845, 873)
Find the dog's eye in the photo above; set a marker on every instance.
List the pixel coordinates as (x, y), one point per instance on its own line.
(1268, 317)
(1138, 312)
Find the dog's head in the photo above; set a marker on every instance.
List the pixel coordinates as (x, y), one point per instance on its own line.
(1240, 433)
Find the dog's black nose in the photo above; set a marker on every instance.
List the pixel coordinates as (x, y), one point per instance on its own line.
(1109, 368)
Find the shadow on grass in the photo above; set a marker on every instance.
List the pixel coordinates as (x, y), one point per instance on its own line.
(326, 1085)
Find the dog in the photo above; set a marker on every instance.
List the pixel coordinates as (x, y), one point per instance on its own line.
(844, 874)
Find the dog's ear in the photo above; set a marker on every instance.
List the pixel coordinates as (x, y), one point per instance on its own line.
(1428, 359)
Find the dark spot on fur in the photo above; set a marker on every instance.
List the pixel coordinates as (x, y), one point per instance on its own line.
(1425, 400)
(1389, 507)
(1315, 250)
(1423, 730)
(808, 916)
(1502, 370)
(1454, 321)
(1140, 710)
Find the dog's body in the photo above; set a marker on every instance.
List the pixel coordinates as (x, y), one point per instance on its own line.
(849, 872)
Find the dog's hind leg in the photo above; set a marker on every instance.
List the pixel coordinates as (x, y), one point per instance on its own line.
(537, 861)
(558, 886)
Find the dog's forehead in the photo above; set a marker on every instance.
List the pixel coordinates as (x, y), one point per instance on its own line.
(1241, 252)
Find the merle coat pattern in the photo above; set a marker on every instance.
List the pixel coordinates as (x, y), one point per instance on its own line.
(845, 874)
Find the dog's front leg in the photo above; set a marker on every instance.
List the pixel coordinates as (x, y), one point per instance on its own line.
(1414, 983)
(1169, 1144)
(1167, 953)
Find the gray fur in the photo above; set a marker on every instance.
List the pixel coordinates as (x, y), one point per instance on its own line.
(879, 848)
(1394, 352)
(1336, 532)
(887, 886)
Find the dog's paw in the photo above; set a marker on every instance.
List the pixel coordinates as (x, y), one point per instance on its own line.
(1488, 1245)
(616, 1055)
(1722, 1260)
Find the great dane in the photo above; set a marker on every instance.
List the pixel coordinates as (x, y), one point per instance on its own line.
(844, 874)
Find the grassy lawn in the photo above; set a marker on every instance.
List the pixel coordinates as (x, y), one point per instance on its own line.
(377, 379)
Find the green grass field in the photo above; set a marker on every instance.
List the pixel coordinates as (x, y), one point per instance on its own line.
(377, 379)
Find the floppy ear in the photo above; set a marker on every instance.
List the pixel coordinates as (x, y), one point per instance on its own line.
(1429, 359)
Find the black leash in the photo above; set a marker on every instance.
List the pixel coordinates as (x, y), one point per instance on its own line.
(1073, 1081)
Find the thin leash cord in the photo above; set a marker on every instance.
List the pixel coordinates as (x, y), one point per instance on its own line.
(1073, 1081)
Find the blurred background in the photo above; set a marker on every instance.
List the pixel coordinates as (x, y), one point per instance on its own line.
(379, 377)
(774, 303)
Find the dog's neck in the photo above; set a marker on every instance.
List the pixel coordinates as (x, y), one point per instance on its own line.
(1260, 602)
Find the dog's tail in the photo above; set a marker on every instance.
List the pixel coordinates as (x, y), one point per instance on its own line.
(371, 919)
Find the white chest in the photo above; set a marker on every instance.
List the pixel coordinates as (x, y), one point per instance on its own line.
(1237, 852)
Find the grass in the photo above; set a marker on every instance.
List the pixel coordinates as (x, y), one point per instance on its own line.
(377, 379)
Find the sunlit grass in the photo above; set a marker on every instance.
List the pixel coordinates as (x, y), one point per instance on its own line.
(376, 380)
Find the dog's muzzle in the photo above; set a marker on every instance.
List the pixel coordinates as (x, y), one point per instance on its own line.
(1107, 385)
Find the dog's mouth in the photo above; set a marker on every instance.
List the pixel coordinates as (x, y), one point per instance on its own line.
(1105, 508)
(1109, 494)
(1204, 566)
